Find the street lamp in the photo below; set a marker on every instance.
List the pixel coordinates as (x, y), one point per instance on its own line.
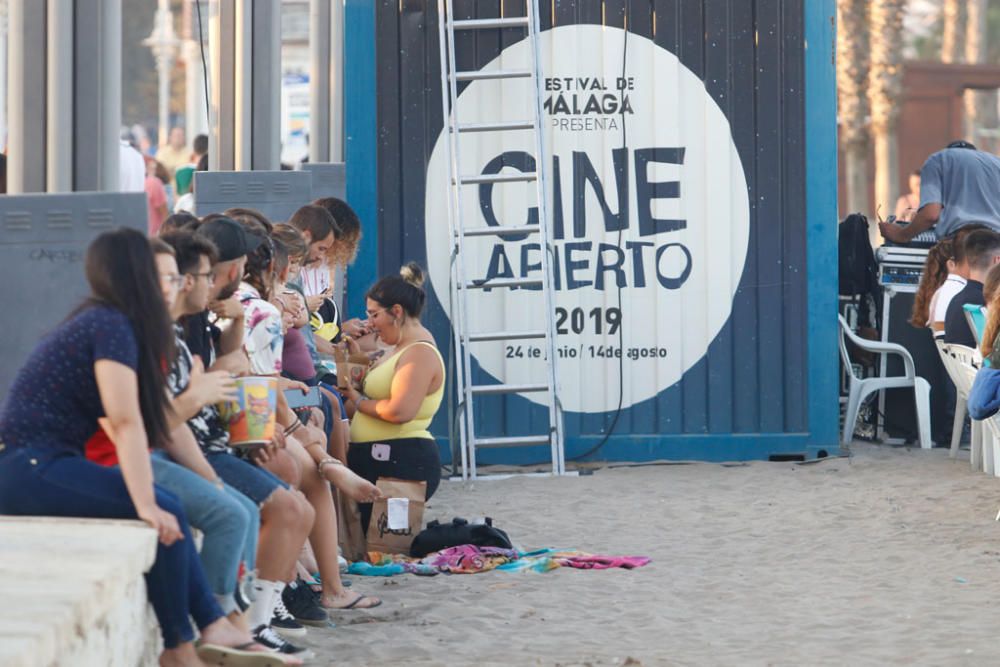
(163, 43)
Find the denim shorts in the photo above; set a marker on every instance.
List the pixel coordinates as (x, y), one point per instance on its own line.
(255, 483)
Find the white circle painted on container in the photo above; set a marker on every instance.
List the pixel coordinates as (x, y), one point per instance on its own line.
(677, 248)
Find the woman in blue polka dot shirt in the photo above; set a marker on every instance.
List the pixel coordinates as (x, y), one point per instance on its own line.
(106, 364)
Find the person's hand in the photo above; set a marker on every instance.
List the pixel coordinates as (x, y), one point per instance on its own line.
(350, 393)
(164, 523)
(211, 387)
(354, 328)
(286, 384)
(352, 345)
(230, 309)
(262, 455)
(316, 300)
(892, 232)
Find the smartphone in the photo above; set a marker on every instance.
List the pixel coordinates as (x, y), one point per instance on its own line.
(297, 400)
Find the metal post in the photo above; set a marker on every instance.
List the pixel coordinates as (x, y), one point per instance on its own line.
(59, 110)
(222, 60)
(195, 109)
(243, 111)
(320, 76)
(97, 94)
(266, 86)
(26, 97)
(3, 74)
(336, 81)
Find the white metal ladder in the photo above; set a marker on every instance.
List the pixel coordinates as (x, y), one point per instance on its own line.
(463, 336)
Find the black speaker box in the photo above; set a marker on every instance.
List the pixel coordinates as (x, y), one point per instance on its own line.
(900, 417)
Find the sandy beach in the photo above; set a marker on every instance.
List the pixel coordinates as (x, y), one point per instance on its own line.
(891, 556)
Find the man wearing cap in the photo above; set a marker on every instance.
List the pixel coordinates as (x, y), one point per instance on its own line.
(958, 187)
(222, 349)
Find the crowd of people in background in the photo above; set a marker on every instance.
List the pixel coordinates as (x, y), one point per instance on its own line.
(165, 174)
(115, 414)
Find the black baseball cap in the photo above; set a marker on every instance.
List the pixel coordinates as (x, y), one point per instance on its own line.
(229, 236)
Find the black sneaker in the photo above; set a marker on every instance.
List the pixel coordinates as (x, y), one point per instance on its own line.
(241, 600)
(272, 641)
(284, 623)
(302, 603)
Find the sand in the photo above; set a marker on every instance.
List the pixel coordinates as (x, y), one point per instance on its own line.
(889, 557)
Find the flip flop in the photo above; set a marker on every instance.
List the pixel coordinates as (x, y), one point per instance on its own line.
(354, 604)
(239, 656)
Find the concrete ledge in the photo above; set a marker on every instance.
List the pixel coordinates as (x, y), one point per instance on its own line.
(73, 592)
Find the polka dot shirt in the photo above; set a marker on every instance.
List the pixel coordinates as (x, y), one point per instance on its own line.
(54, 402)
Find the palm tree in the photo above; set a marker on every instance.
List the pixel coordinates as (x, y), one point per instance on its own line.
(980, 105)
(884, 91)
(852, 83)
(953, 14)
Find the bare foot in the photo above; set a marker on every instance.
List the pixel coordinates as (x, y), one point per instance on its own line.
(349, 600)
(182, 656)
(346, 481)
(239, 621)
(224, 633)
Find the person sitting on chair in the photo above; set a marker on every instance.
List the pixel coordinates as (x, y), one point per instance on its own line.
(982, 251)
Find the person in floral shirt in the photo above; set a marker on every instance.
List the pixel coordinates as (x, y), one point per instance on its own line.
(295, 463)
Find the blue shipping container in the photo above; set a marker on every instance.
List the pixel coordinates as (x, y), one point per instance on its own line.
(693, 208)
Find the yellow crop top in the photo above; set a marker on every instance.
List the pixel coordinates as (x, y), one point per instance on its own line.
(377, 385)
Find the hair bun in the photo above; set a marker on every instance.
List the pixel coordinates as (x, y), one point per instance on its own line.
(413, 274)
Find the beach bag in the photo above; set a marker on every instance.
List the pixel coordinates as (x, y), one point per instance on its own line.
(438, 536)
(325, 321)
(398, 495)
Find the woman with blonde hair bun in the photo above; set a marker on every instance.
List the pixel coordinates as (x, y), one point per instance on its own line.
(400, 396)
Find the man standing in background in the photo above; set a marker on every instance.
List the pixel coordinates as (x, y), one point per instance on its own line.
(957, 188)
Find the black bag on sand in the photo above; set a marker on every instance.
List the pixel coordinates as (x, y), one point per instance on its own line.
(438, 536)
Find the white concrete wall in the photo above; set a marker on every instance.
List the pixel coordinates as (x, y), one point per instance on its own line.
(72, 593)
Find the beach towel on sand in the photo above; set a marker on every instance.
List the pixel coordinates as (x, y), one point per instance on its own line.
(984, 399)
(470, 559)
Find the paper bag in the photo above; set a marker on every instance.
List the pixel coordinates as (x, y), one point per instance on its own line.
(351, 537)
(381, 537)
(351, 366)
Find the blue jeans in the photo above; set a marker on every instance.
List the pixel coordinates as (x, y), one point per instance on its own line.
(40, 482)
(228, 519)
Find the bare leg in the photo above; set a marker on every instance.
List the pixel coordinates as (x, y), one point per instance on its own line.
(307, 559)
(324, 534)
(239, 621)
(285, 522)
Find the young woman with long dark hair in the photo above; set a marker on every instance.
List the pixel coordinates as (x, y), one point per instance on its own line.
(107, 364)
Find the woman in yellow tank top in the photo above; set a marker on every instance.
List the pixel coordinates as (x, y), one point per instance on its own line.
(389, 436)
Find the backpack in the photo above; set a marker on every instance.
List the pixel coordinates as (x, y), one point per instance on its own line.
(858, 271)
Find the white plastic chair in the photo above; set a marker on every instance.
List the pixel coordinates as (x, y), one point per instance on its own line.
(961, 395)
(860, 388)
(964, 363)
